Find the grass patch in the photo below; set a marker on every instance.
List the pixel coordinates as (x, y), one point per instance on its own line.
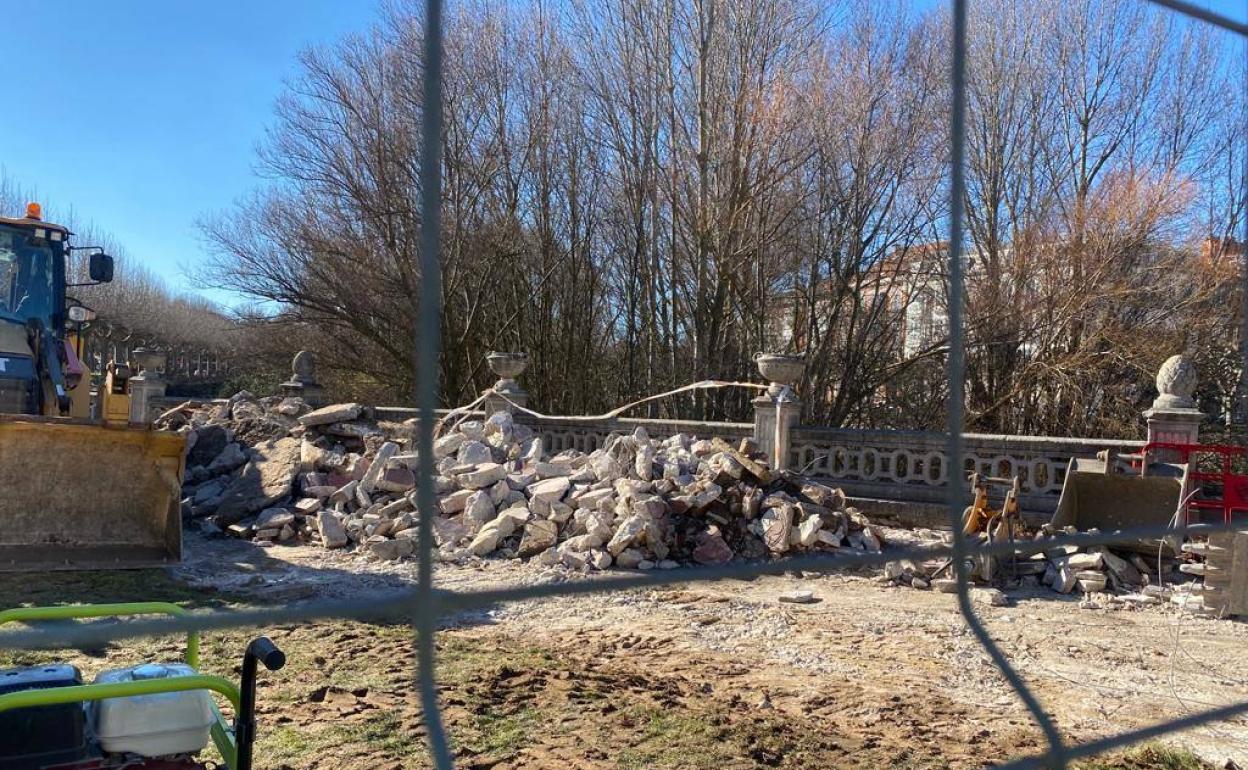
(503, 733)
(462, 660)
(1150, 756)
(379, 733)
(384, 732)
(676, 739)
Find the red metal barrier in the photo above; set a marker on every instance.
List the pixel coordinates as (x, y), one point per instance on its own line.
(1220, 490)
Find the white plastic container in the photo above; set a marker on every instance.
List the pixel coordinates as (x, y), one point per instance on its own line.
(153, 725)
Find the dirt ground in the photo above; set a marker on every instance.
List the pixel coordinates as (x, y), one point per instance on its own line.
(712, 675)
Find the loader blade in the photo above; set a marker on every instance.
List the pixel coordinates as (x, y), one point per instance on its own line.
(1094, 499)
(81, 495)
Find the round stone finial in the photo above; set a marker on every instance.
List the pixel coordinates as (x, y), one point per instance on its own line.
(303, 367)
(1176, 381)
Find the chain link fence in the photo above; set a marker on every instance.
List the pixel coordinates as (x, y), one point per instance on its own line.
(426, 605)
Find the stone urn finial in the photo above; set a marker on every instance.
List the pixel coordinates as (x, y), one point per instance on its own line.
(1176, 381)
(508, 366)
(507, 393)
(781, 371)
(148, 360)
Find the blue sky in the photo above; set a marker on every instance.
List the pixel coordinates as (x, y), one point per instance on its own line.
(144, 114)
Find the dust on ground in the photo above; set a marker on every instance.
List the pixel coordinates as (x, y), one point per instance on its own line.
(708, 675)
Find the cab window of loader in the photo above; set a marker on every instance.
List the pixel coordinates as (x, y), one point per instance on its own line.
(26, 277)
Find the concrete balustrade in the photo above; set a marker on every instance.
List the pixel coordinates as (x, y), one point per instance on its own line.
(897, 473)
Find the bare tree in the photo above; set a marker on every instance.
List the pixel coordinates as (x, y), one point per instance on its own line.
(643, 193)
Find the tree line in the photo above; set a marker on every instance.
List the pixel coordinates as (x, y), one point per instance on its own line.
(641, 194)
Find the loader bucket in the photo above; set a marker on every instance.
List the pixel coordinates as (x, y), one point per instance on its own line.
(82, 495)
(1094, 499)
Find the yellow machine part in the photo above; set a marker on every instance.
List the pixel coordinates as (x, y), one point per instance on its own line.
(82, 495)
(80, 399)
(80, 394)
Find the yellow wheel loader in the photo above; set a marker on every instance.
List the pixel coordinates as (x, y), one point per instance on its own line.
(76, 491)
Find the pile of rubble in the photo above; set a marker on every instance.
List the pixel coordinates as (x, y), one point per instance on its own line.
(1104, 576)
(275, 471)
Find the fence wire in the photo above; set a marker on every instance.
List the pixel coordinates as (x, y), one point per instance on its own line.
(426, 354)
(425, 605)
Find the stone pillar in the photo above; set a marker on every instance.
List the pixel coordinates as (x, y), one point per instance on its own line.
(777, 411)
(508, 366)
(302, 382)
(1174, 418)
(146, 387)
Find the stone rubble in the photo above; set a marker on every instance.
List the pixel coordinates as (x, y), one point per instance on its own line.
(1103, 576)
(274, 471)
(337, 478)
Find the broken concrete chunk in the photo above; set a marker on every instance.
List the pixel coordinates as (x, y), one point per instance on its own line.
(230, 458)
(448, 445)
(831, 539)
(485, 475)
(729, 465)
(591, 498)
(396, 480)
(626, 533)
(274, 518)
(308, 505)
(447, 531)
(629, 558)
(474, 453)
(479, 508)
(711, 548)
(539, 535)
(333, 535)
(549, 490)
(331, 414)
(392, 550)
(599, 559)
(455, 501)
(777, 525)
(798, 596)
(808, 531)
(488, 539)
(1091, 585)
(345, 493)
(500, 493)
(378, 465)
(1124, 571)
(552, 470)
(1082, 561)
(266, 479)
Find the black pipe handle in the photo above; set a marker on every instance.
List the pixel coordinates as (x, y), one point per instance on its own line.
(268, 653)
(260, 649)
